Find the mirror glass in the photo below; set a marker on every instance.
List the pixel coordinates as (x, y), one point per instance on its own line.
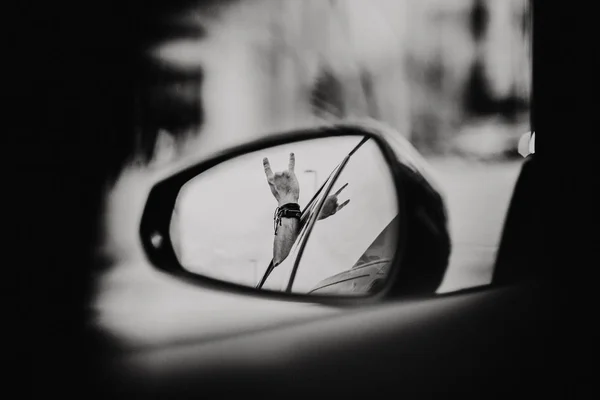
(339, 240)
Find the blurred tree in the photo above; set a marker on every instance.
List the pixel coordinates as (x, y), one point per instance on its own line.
(425, 67)
(327, 96)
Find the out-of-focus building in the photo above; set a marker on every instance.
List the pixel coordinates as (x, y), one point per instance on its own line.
(426, 67)
(436, 70)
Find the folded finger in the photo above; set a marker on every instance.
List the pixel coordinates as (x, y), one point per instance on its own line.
(267, 166)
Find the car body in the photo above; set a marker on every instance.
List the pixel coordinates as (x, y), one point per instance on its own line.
(362, 278)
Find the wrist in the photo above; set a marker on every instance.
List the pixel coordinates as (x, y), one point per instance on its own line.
(287, 211)
(287, 200)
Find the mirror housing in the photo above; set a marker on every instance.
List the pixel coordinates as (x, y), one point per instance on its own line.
(420, 261)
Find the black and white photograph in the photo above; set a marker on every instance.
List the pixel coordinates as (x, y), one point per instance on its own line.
(295, 198)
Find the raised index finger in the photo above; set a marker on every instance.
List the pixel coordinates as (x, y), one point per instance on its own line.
(267, 167)
(292, 162)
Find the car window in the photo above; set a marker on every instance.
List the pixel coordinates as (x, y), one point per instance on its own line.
(338, 242)
(279, 277)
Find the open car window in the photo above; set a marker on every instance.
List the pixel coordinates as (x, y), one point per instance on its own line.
(279, 276)
(339, 242)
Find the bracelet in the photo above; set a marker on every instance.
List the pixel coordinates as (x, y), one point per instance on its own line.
(289, 210)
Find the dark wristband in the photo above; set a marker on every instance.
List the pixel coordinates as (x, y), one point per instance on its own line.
(286, 213)
(290, 206)
(289, 210)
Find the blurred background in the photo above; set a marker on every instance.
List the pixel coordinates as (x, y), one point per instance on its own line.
(452, 76)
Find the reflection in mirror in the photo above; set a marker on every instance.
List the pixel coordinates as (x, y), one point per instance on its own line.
(225, 224)
(350, 248)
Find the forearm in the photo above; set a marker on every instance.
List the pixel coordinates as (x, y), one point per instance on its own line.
(285, 237)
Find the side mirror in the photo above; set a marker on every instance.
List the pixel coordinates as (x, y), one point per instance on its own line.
(334, 222)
